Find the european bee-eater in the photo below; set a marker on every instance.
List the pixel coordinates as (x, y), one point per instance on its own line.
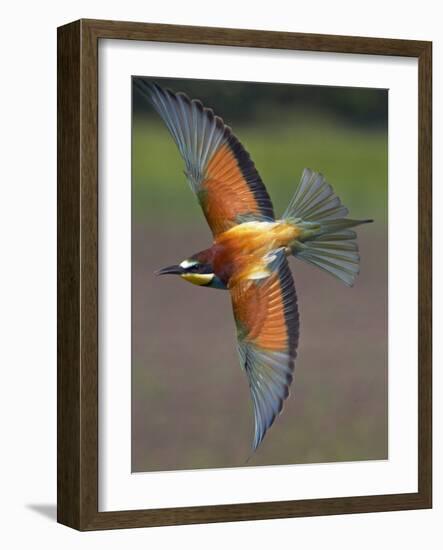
(250, 247)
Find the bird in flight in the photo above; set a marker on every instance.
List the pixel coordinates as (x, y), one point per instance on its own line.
(248, 256)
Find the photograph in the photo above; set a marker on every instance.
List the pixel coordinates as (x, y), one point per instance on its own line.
(271, 199)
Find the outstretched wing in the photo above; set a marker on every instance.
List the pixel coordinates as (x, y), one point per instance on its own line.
(266, 315)
(220, 171)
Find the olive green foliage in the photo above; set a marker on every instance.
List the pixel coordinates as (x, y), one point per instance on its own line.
(339, 132)
(354, 162)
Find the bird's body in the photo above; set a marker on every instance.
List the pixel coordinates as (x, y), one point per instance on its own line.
(248, 256)
(243, 252)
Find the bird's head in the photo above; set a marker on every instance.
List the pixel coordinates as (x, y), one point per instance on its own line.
(194, 271)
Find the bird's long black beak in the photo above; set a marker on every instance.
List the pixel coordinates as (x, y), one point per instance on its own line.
(170, 270)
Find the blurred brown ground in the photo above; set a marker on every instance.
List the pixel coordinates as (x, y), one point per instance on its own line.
(190, 400)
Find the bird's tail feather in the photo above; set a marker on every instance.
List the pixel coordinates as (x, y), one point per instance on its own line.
(326, 240)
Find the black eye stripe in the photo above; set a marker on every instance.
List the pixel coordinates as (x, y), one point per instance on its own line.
(200, 268)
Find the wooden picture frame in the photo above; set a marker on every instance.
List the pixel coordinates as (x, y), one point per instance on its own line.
(77, 457)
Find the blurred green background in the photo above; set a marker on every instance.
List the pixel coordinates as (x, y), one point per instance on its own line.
(190, 398)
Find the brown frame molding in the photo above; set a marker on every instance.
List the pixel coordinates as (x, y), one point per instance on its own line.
(77, 405)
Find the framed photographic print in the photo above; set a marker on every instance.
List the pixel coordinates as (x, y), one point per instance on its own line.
(287, 177)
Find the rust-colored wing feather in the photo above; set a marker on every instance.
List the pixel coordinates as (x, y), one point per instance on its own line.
(220, 171)
(266, 315)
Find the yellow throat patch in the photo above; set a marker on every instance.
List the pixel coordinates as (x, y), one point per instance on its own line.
(198, 278)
